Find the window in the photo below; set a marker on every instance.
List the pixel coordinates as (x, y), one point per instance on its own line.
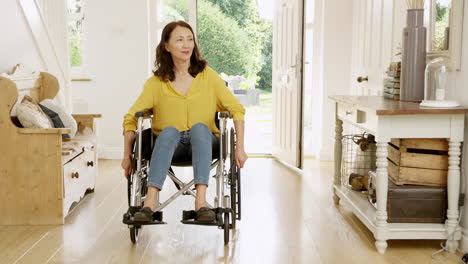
(173, 10)
(75, 33)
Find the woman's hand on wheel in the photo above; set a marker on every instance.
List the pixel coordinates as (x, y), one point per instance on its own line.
(127, 166)
(241, 157)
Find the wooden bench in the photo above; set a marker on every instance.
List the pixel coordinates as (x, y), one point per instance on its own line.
(42, 176)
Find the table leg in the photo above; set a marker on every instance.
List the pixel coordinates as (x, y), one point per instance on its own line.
(381, 189)
(453, 190)
(338, 153)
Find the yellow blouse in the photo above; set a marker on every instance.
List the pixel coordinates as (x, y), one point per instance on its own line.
(207, 95)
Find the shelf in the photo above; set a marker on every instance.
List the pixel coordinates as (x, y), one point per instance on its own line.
(357, 202)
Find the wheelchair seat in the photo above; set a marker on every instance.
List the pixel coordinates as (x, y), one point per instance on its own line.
(185, 159)
(181, 160)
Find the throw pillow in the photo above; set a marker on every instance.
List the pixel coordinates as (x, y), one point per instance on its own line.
(55, 118)
(30, 114)
(18, 102)
(16, 121)
(66, 118)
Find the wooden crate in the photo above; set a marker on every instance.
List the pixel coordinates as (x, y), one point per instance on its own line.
(418, 161)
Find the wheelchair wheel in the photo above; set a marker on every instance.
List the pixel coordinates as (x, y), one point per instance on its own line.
(233, 202)
(129, 182)
(144, 186)
(226, 228)
(234, 177)
(129, 189)
(238, 194)
(134, 232)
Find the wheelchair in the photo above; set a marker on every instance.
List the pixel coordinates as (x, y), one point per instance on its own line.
(227, 201)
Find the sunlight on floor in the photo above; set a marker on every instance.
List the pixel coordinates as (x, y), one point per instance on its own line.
(258, 126)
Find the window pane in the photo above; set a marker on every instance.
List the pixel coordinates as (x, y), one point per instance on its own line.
(175, 10)
(74, 6)
(442, 20)
(75, 31)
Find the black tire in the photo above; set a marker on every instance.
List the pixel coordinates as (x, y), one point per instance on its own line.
(233, 220)
(134, 232)
(226, 228)
(235, 182)
(234, 201)
(129, 189)
(238, 194)
(232, 140)
(129, 178)
(233, 179)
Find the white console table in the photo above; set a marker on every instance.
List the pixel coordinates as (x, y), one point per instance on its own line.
(387, 119)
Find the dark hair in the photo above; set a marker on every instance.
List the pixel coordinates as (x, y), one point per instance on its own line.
(165, 65)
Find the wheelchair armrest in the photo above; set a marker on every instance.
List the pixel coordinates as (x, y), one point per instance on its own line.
(145, 113)
(223, 115)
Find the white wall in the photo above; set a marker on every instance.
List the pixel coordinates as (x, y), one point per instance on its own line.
(332, 66)
(117, 58)
(17, 44)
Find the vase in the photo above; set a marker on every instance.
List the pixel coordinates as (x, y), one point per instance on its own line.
(413, 61)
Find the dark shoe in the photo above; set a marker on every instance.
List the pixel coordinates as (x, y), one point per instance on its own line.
(144, 215)
(205, 214)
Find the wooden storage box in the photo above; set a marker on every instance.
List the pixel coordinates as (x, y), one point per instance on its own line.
(418, 161)
(412, 203)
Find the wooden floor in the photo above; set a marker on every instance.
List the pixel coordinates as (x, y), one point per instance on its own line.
(287, 218)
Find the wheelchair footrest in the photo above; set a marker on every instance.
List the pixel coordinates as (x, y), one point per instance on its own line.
(205, 223)
(189, 218)
(129, 220)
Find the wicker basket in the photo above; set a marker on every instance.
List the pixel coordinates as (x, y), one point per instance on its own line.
(358, 156)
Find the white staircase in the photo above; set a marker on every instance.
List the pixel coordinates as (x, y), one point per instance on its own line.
(47, 20)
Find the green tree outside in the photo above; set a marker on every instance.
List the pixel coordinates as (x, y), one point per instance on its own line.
(222, 42)
(441, 26)
(266, 72)
(245, 12)
(75, 50)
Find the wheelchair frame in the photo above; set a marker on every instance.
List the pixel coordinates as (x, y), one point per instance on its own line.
(226, 207)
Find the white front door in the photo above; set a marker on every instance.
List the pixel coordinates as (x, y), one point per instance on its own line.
(287, 81)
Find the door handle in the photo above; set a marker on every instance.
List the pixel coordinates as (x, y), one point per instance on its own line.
(361, 79)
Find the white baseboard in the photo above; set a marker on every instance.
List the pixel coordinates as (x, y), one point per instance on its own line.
(289, 166)
(110, 153)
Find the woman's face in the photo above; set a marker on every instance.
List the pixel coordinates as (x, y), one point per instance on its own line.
(180, 43)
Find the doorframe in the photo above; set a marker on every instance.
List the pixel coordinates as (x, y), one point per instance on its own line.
(302, 92)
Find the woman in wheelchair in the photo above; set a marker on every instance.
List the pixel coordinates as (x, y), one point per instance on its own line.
(184, 94)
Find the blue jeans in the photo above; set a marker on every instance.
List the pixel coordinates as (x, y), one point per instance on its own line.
(171, 143)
